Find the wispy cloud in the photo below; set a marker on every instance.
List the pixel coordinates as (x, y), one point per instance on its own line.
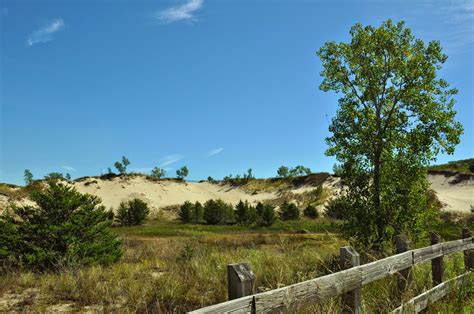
(69, 168)
(215, 152)
(45, 33)
(184, 12)
(170, 159)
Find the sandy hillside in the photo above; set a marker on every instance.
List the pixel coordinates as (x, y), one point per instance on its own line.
(455, 196)
(159, 194)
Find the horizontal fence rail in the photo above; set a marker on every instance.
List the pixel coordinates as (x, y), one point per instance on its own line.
(295, 296)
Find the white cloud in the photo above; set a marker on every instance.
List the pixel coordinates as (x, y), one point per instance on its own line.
(184, 12)
(45, 33)
(170, 159)
(215, 152)
(69, 168)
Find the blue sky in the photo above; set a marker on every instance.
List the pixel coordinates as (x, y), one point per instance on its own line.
(219, 86)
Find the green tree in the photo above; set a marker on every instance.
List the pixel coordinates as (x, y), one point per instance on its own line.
(395, 115)
(289, 211)
(182, 172)
(68, 176)
(54, 176)
(245, 213)
(311, 212)
(197, 213)
(299, 171)
(28, 176)
(64, 226)
(121, 166)
(267, 216)
(283, 172)
(132, 213)
(218, 212)
(158, 173)
(185, 212)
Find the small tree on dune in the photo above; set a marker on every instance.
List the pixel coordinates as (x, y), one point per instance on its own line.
(182, 172)
(28, 176)
(158, 173)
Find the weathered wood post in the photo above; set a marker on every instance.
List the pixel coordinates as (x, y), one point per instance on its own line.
(239, 280)
(437, 267)
(350, 300)
(402, 245)
(468, 254)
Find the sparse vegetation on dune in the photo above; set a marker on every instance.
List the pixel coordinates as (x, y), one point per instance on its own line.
(465, 166)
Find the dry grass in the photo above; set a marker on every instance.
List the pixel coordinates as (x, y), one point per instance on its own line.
(178, 273)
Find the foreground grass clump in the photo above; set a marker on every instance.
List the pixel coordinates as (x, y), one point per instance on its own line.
(168, 267)
(177, 274)
(64, 227)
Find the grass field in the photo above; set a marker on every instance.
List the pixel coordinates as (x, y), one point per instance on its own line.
(170, 267)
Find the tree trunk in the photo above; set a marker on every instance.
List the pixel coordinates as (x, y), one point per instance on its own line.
(377, 191)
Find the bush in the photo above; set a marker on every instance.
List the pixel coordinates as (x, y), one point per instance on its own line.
(197, 213)
(63, 227)
(122, 166)
(471, 167)
(218, 212)
(182, 172)
(311, 212)
(157, 173)
(337, 208)
(54, 176)
(289, 211)
(132, 213)
(245, 213)
(28, 176)
(185, 212)
(266, 218)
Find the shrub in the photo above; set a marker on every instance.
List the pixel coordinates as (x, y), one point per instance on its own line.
(157, 173)
(218, 212)
(64, 226)
(185, 212)
(245, 213)
(210, 179)
(182, 172)
(311, 212)
(289, 211)
(122, 166)
(28, 176)
(197, 213)
(132, 213)
(283, 172)
(267, 216)
(337, 208)
(54, 176)
(471, 167)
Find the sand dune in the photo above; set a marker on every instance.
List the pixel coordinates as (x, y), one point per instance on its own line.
(455, 196)
(159, 194)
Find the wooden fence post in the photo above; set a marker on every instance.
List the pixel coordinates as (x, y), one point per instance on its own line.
(350, 300)
(437, 267)
(239, 280)
(468, 254)
(402, 245)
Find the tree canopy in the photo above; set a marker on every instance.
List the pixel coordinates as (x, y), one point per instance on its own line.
(394, 117)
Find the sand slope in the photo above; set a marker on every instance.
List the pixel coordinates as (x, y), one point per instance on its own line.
(455, 196)
(159, 194)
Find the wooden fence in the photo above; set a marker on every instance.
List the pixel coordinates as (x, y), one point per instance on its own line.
(349, 281)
